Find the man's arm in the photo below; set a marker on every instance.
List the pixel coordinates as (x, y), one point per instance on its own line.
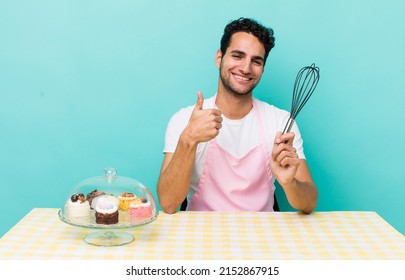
(176, 171)
(175, 176)
(293, 174)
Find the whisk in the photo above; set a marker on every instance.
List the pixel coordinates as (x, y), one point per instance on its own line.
(305, 84)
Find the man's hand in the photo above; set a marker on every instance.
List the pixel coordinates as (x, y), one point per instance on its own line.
(284, 160)
(204, 124)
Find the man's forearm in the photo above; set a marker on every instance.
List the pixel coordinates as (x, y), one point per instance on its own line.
(174, 181)
(302, 195)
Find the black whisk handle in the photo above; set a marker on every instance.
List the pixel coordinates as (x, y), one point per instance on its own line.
(289, 125)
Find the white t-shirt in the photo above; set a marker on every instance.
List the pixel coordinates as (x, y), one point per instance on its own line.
(237, 137)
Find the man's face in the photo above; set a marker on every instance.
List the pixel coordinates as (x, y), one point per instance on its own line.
(242, 65)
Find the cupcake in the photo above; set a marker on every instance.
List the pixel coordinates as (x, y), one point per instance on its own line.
(141, 210)
(106, 207)
(77, 206)
(125, 200)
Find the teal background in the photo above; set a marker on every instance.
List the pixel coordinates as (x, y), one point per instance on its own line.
(86, 85)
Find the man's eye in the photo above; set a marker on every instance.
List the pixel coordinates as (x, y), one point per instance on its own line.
(258, 62)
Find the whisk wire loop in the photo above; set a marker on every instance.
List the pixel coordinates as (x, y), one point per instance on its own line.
(305, 83)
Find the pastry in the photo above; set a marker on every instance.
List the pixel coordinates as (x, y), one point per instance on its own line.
(77, 206)
(106, 207)
(141, 210)
(125, 200)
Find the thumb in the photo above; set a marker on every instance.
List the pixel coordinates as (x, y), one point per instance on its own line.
(200, 101)
(277, 139)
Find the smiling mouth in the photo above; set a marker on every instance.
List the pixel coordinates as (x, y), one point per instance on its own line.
(241, 78)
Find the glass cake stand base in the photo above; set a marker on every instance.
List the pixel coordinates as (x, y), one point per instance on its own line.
(108, 238)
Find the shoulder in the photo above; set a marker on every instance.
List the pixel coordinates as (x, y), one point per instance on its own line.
(178, 121)
(271, 112)
(183, 113)
(274, 120)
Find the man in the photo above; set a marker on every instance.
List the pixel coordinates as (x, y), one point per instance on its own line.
(224, 153)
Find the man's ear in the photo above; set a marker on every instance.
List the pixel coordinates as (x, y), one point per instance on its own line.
(218, 58)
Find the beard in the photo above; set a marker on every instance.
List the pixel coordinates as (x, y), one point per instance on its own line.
(232, 89)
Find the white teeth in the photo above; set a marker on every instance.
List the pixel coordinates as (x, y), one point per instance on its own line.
(241, 78)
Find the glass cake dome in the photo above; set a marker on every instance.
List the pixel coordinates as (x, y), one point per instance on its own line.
(109, 203)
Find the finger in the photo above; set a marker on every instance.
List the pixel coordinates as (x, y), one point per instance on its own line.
(277, 139)
(216, 112)
(218, 126)
(286, 155)
(218, 119)
(282, 150)
(289, 161)
(286, 138)
(289, 138)
(200, 101)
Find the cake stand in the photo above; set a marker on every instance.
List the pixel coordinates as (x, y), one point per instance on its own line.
(107, 235)
(111, 185)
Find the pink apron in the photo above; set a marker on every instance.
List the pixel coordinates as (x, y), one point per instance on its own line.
(235, 184)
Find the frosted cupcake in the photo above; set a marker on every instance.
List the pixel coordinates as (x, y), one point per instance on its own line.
(106, 207)
(141, 210)
(125, 200)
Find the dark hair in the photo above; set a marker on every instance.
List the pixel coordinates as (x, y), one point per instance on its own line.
(262, 33)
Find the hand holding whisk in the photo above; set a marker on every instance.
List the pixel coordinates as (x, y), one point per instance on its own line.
(305, 84)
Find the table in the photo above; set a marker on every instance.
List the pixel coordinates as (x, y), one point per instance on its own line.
(188, 235)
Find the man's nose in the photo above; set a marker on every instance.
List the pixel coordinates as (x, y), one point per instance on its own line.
(245, 66)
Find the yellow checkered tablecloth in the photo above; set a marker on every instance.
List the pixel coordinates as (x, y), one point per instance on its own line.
(214, 235)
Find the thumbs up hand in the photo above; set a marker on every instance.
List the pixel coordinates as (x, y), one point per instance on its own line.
(204, 124)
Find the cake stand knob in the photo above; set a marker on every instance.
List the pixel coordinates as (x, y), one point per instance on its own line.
(110, 173)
